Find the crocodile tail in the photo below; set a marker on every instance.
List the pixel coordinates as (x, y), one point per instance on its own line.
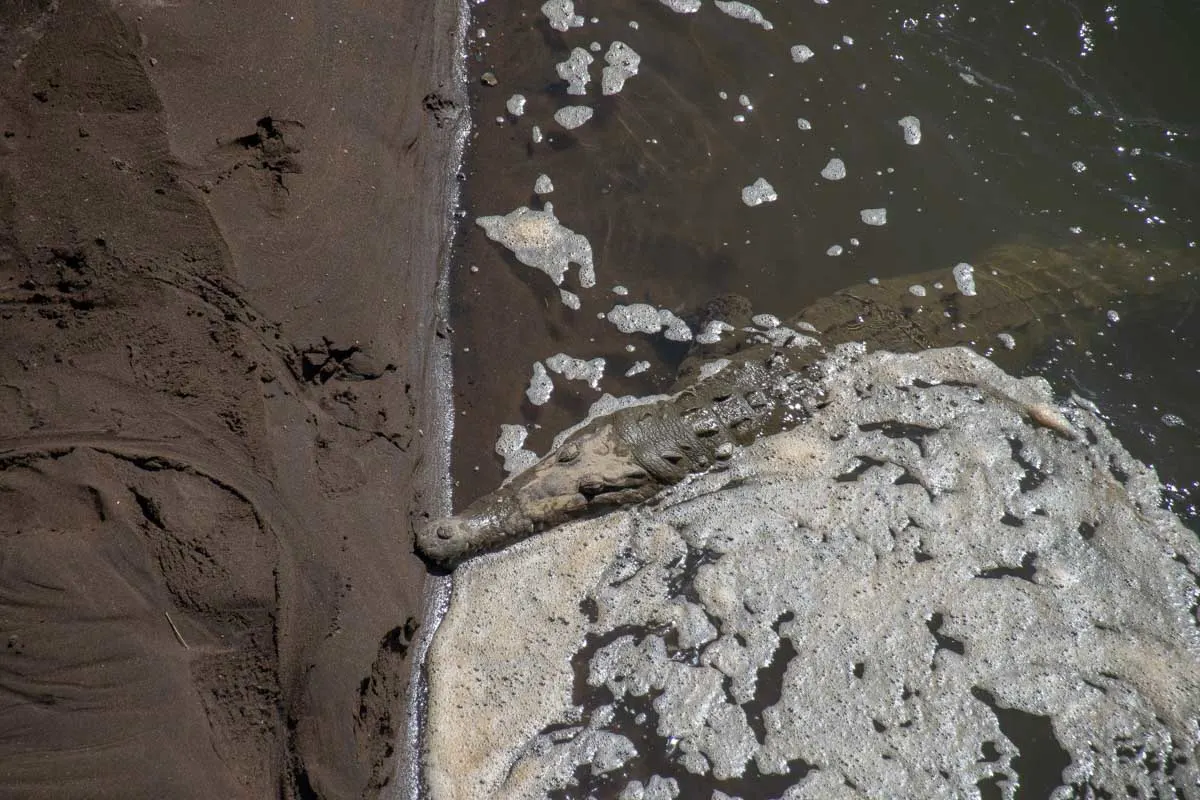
(1033, 293)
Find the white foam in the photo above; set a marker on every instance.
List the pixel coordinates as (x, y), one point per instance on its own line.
(803, 124)
(923, 586)
(577, 369)
(873, 216)
(539, 240)
(682, 6)
(835, 170)
(574, 70)
(744, 11)
(571, 117)
(911, 126)
(645, 318)
(516, 105)
(570, 299)
(714, 329)
(835, 250)
(917, 290)
(510, 447)
(964, 279)
(543, 184)
(801, 53)
(561, 14)
(638, 368)
(623, 64)
(758, 193)
(540, 385)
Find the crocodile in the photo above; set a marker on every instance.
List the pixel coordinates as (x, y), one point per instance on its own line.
(769, 379)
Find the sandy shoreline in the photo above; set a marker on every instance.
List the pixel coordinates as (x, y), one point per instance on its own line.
(221, 233)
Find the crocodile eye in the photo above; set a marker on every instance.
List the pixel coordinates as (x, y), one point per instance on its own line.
(568, 453)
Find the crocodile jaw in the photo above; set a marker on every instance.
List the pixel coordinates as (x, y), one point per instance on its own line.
(591, 471)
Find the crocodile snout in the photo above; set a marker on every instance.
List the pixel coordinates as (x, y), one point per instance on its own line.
(487, 524)
(446, 541)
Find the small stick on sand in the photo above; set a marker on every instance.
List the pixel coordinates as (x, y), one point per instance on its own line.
(178, 635)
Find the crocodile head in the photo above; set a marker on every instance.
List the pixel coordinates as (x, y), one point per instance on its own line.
(593, 470)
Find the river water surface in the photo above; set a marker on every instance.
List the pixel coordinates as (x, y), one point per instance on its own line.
(1040, 121)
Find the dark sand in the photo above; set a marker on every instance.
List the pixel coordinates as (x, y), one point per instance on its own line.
(221, 228)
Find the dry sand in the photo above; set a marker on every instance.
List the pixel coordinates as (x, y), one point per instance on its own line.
(221, 228)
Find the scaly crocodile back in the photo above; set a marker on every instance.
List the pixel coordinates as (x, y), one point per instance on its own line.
(1030, 292)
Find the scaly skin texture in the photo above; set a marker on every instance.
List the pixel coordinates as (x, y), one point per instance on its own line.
(630, 455)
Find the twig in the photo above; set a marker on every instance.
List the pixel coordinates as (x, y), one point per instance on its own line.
(178, 635)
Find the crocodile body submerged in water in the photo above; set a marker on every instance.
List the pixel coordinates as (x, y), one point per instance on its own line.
(765, 378)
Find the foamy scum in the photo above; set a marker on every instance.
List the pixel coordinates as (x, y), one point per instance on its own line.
(861, 602)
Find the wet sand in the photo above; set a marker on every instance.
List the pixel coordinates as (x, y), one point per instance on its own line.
(221, 231)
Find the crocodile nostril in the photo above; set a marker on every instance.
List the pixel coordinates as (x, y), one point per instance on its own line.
(444, 531)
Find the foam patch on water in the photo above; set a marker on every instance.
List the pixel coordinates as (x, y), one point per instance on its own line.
(574, 70)
(637, 369)
(744, 11)
(570, 299)
(835, 170)
(657, 788)
(539, 240)
(571, 117)
(645, 318)
(540, 386)
(873, 216)
(682, 6)
(964, 278)
(576, 369)
(801, 53)
(714, 329)
(543, 184)
(869, 600)
(516, 105)
(561, 14)
(803, 124)
(758, 193)
(623, 64)
(510, 447)
(911, 127)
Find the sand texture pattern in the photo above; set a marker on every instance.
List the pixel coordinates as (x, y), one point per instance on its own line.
(221, 228)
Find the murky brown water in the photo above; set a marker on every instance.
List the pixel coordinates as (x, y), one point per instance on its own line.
(1042, 121)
